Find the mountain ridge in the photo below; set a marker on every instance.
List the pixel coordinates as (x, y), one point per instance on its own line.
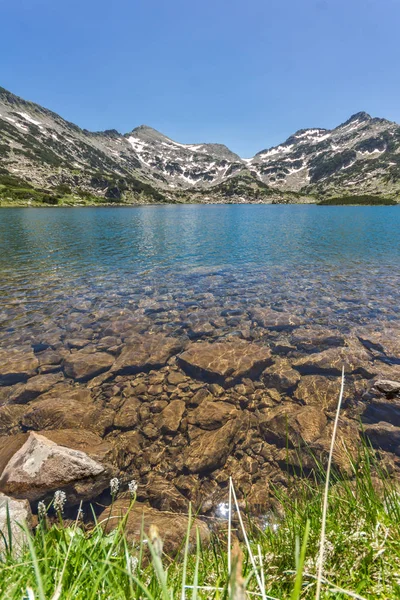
(40, 148)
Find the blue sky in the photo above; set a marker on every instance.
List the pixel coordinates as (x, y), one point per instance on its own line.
(246, 73)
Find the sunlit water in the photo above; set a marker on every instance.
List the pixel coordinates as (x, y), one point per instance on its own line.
(335, 266)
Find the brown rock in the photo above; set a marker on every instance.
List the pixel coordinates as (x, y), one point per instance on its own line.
(353, 357)
(319, 391)
(225, 363)
(41, 467)
(172, 527)
(163, 494)
(212, 415)
(273, 319)
(83, 366)
(17, 365)
(67, 414)
(293, 425)
(175, 378)
(145, 352)
(169, 419)
(315, 339)
(10, 418)
(388, 387)
(34, 387)
(385, 341)
(384, 436)
(281, 375)
(210, 449)
(128, 417)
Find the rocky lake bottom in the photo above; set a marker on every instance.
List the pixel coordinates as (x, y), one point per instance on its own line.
(182, 346)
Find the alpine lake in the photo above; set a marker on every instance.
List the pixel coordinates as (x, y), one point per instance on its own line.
(184, 345)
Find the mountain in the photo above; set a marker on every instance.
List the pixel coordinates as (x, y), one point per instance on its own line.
(44, 157)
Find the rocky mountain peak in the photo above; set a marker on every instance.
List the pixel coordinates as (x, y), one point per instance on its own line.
(357, 117)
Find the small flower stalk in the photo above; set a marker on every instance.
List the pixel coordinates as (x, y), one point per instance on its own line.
(114, 487)
(59, 501)
(132, 487)
(42, 510)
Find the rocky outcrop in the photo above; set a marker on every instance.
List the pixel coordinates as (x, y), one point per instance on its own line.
(41, 466)
(172, 527)
(225, 362)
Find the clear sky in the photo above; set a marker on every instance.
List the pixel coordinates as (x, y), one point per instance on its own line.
(246, 73)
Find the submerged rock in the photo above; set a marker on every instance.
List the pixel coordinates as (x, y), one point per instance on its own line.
(212, 415)
(210, 449)
(170, 418)
(319, 391)
(225, 363)
(273, 319)
(281, 375)
(17, 365)
(354, 357)
(293, 426)
(41, 466)
(83, 366)
(145, 352)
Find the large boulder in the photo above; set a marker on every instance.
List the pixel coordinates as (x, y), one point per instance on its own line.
(14, 514)
(225, 363)
(83, 366)
(17, 365)
(208, 450)
(41, 466)
(145, 352)
(172, 527)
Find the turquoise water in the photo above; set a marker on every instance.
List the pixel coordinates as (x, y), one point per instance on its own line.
(333, 265)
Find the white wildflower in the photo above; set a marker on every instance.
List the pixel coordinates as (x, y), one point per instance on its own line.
(42, 510)
(134, 562)
(59, 501)
(80, 514)
(114, 486)
(132, 486)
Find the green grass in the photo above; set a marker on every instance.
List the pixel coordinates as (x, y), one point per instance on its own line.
(364, 200)
(362, 552)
